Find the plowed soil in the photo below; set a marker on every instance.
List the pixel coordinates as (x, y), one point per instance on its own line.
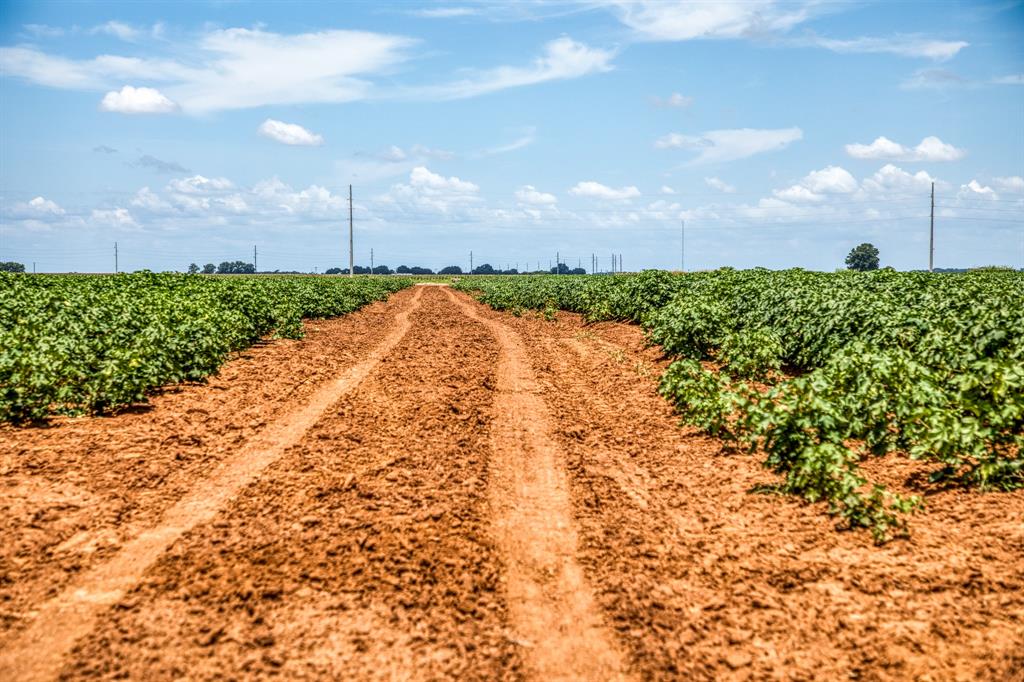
(428, 489)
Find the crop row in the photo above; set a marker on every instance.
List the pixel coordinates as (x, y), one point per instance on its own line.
(818, 371)
(73, 344)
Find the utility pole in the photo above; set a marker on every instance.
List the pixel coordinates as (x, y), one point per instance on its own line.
(931, 234)
(682, 246)
(115, 259)
(371, 261)
(471, 262)
(620, 263)
(351, 254)
(255, 266)
(33, 267)
(558, 263)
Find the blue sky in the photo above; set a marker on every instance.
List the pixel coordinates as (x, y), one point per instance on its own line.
(784, 133)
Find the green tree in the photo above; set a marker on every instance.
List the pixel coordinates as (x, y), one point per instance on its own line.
(209, 269)
(193, 268)
(450, 270)
(863, 258)
(11, 266)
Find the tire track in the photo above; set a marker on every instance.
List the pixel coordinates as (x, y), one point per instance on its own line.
(365, 552)
(37, 652)
(551, 605)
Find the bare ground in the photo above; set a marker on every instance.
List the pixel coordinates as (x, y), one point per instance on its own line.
(427, 489)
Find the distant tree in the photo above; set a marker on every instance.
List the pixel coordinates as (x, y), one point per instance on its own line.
(485, 269)
(863, 258)
(578, 271)
(510, 271)
(236, 267)
(416, 270)
(403, 270)
(562, 269)
(11, 266)
(360, 270)
(450, 270)
(382, 270)
(209, 269)
(333, 271)
(193, 268)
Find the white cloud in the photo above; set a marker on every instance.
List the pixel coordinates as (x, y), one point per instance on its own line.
(720, 185)
(524, 140)
(43, 30)
(665, 189)
(902, 45)
(233, 68)
(118, 30)
(148, 200)
(39, 207)
(445, 12)
(596, 190)
(930, 149)
(1013, 183)
(892, 179)
(935, 79)
(197, 184)
(131, 100)
(674, 101)
(1012, 79)
(528, 194)
(427, 191)
(798, 193)
(289, 133)
(729, 145)
(975, 190)
(563, 58)
(830, 180)
(659, 20)
(114, 217)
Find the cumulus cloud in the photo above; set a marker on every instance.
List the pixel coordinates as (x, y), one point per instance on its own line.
(149, 200)
(427, 191)
(665, 189)
(892, 179)
(720, 185)
(563, 58)
(197, 184)
(39, 208)
(975, 190)
(118, 30)
(289, 133)
(673, 101)
(595, 190)
(131, 100)
(114, 217)
(930, 149)
(528, 194)
(730, 145)
(818, 185)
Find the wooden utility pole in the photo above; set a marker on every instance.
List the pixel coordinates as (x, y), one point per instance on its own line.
(255, 263)
(471, 262)
(115, 259)
(351, 254)
(558, 263)
(931, 234)
(371, 261)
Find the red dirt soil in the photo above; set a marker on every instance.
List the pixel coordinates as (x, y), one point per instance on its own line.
(484, 497)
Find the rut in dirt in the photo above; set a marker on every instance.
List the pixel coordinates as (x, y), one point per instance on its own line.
(553, 608)
(37, 652)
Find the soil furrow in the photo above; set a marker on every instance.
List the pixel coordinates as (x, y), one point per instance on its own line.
(365, 552)
(552, 607)
(705, 579)
(37, 652)
(76, 489)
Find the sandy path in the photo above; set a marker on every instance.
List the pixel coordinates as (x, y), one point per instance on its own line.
(551, 602)
(38, 651)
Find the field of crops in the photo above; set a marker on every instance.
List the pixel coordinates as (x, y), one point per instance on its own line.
(818, 371)
(72, 344)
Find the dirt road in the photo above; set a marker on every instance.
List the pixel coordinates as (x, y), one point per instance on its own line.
(427, 489)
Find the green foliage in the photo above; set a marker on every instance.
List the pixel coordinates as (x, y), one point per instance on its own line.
(11, 266)
(71, 344)
(862, 257)
(862, 364)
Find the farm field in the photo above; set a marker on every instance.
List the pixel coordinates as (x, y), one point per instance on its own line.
(429, 487)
